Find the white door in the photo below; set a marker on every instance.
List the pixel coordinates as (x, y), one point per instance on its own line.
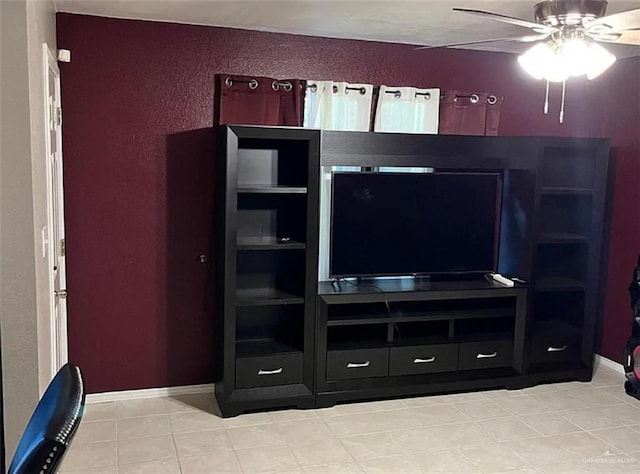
(55, 198)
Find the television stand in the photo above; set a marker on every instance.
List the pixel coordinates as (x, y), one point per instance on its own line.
(419, 337)
(284, 340)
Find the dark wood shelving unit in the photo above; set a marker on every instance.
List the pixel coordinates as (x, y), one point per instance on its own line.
(286, 340)
(570, 215)
(267, 267)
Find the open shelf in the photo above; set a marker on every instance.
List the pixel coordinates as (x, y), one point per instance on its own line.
(268, 243)
(269, 330)
(263, 347)
(441, 315)
(556, 312)
(366, 336)
(475, 330)
(561, 267)
(428, 310)
(271, 189)
(267, 166)
(421, 333)
(565, 216)
(271, 217)
(265, 296)
(270, 277)
(562, 166)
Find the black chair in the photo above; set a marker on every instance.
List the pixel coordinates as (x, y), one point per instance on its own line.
(52, 425)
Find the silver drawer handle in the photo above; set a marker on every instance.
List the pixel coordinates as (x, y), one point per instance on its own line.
(556, 349)
(352, 365)
(423, 361)
(270, 372)
(487, 356)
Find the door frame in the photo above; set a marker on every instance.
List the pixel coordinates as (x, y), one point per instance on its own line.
(59, 346)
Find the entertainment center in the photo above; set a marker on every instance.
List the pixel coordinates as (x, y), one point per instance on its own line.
(415, 224)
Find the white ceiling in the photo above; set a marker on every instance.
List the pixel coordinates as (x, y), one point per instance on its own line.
(422, 22)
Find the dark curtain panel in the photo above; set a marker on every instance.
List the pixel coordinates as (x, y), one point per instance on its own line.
(251, 100)
(469, 113)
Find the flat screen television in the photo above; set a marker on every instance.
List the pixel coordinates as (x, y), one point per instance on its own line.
(386, 224)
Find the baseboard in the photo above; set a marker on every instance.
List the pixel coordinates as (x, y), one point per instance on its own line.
(148, 393)
(609, 363)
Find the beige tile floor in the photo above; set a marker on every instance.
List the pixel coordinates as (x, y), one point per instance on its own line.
(569, 427)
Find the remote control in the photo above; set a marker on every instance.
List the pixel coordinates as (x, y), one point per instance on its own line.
(503, 280)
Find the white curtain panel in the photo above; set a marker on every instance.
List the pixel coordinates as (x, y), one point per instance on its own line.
(338, 106)
(407, 110)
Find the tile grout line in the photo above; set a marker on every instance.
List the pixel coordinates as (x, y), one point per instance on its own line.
(173, 438)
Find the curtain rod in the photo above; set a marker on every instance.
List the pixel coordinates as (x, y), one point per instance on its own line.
(398, 94)
(474, 98)
(253, 84)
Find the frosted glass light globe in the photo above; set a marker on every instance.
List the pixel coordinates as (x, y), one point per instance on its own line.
(575, 56)
(599, 61)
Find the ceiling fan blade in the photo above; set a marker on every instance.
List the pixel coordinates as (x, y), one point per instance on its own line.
(620, 37)
(537, 27)
(519, 39)
(628, 20)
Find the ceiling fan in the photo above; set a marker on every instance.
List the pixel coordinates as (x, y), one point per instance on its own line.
(567, 34)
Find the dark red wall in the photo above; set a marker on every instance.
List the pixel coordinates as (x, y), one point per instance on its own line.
(138, 105)
(621, 89)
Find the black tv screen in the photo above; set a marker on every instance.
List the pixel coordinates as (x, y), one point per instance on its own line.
(413, 223)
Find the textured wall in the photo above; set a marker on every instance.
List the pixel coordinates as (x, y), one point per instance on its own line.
(138, 101)
(621, 87)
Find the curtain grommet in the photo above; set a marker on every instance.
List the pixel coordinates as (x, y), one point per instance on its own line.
(397, 94)
(492, 99)
(313, 88)
(363, 91)
(334, 89)
(228, 81)
(474, 99)
(287, 86)
(275, 86)
(253, 84)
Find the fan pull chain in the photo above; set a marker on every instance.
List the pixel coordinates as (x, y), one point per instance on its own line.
(564, 86)
(546, 100)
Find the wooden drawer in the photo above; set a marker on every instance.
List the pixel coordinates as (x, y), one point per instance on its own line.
(357, 364)
(283, 369)
(423, 359)
(558, 347)
(485, 354)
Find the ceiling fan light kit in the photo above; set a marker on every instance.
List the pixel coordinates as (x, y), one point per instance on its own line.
(568, 35)
(558, 61)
